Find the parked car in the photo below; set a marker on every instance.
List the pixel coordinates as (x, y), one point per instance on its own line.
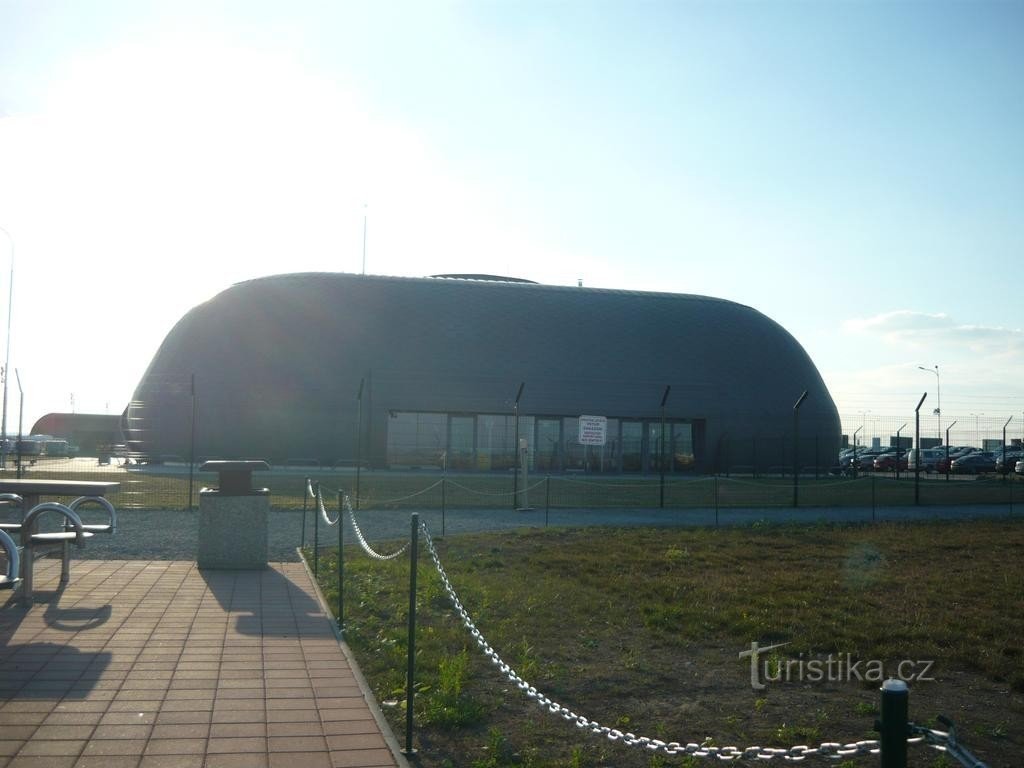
(942, 465)
(889, 462)
(865, 459)
(1005, 465)
(930, 457)
(974, 464)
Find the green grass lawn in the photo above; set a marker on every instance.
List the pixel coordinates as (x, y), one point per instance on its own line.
(640, 629)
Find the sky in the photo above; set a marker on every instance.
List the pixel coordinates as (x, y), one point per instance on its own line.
(853, 170)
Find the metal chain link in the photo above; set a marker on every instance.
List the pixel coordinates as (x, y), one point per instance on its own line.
(323, 510)
(362, 540)
(829, 750)
(467, 489)
(382, 502)
(945, 742)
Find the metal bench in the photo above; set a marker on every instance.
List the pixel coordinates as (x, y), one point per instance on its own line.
(109, 527)
(33, 540)
(6, 502)
(21, 558)
(11, 578)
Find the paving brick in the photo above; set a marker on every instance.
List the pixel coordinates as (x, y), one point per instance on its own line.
(188, 670)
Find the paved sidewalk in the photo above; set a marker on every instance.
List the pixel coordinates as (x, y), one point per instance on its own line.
(159, 665)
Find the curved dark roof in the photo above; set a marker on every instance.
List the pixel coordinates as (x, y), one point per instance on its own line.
(283, 355)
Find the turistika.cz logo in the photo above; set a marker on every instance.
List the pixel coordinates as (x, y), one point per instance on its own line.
(769, 667)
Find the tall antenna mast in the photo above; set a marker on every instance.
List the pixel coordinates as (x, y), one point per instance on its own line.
(364, 238)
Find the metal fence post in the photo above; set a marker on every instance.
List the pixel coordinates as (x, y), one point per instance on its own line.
(444, 503)
(893, 725)
(796, 448)
(410, 680)
(917, 444)
(192, 445)
(305, 508)
(873, 518)
(316, 533)
(547, 499)
(341, 561)
(716, 502)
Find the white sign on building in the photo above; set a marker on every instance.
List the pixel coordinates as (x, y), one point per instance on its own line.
(593, 430)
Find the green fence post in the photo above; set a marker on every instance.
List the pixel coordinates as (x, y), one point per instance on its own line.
(547, 499)
(316, 534)
(410, 680)
(893, 725)
(716, 502)
(305, 508)
(341, 561)
(873, 518)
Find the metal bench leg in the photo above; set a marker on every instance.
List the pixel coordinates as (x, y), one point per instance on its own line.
(27, 563)
(65, 562)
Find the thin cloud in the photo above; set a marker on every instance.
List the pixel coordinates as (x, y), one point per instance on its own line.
(911, 328)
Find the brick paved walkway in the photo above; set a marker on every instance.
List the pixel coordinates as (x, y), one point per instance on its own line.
(160, 665)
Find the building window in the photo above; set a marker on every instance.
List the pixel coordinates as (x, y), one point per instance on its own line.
(416, 439)
(461, 445)
(486, 442)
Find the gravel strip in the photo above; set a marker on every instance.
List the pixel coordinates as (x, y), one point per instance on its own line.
(173, 535)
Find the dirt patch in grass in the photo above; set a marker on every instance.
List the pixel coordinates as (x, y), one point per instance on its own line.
(641, 629)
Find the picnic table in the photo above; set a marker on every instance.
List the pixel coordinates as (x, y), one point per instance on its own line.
(33, 507)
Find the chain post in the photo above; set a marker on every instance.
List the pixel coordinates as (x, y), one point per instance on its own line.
(444, 504)
(716, 501)
(316, 534)
(341, 561)
(305, 508)
(410, 679)
(873, 518)
(547, 499)
(893, 725)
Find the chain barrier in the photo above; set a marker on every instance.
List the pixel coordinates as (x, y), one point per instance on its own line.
(829, 749)
(578, 481)
(945, 741)
(362, 540)
(383, 502)
(323, 510)
(467, 489)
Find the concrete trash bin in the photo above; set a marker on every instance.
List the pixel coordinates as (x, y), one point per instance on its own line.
(233, 518)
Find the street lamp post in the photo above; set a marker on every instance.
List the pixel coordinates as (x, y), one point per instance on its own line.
(7, 357)
(938, 394)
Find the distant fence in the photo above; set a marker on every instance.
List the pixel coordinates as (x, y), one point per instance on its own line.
(177, 485)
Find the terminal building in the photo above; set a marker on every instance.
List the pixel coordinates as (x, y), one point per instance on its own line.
(450, 370)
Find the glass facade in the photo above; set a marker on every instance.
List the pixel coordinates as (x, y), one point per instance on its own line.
(417, 439)
(487, 442)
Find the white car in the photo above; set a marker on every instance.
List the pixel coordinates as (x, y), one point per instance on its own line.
(929, 458)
